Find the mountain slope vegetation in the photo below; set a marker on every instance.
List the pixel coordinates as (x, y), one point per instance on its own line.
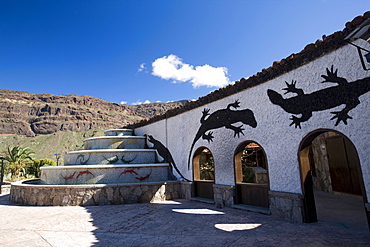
(54, 124)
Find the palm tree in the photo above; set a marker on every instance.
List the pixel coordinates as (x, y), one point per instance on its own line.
(18, 157)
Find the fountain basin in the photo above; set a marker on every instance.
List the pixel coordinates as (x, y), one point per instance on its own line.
(118, 132)
(110, 156)
(115, 142)
(104, 174)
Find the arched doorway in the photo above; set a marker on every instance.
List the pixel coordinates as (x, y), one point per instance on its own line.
(332, 180)
(203, 173)
(251, 175)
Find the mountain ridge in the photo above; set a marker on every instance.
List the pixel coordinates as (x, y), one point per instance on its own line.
(54, 124)
(23, 113)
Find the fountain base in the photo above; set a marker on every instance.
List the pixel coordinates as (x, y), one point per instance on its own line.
(114, 169)
(33, 192)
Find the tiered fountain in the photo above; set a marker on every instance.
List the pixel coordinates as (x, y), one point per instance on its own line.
(112, 169)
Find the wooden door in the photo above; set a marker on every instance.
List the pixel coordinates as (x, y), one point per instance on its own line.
(353, 165)
(253, 194)
(251, 176)
(203, 173)
(204, 188)
(343, 163)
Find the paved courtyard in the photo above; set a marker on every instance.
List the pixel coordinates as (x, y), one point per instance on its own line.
(172, 223)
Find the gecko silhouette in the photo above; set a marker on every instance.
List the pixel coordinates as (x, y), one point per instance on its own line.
(344, 93)
(81, 157)
(165, 154)
(223, 118)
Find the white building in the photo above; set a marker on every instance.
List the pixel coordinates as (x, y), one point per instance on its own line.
(270, 142)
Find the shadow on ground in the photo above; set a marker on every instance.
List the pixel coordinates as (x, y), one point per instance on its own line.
(188, 223)
(171, 223)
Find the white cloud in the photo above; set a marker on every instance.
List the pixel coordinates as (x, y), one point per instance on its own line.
(139, 102)
(123, 102)
(172, 67)
(141, 67)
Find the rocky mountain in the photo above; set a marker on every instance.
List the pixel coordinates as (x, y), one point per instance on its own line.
(53, 124)
(27, 114)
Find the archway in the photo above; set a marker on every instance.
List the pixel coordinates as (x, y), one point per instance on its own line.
(251, 175)
(332, 181)
(203, 173)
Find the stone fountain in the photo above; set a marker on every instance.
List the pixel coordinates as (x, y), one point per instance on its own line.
(116, 168)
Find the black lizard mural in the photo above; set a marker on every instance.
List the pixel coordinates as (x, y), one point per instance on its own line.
(165, 154)
(344, 93)
(223, 118)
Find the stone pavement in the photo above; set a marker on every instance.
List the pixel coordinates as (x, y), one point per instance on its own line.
(171, 223)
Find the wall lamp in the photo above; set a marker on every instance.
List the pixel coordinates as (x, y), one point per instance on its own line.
(367, 56)
(361, 32)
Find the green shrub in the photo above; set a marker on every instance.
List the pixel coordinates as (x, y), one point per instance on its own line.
(34, 168)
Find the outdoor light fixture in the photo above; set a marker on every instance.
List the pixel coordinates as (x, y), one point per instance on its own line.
(361, 32)
(1, 172)
(367, 56)
(57, 157)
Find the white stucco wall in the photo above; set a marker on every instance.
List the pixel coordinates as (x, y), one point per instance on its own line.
(279, 140)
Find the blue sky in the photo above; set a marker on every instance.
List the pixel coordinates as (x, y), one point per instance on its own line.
(136, 51)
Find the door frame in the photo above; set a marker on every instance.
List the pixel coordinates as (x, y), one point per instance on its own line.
(306, 178)
(201, 188)
(253, 194)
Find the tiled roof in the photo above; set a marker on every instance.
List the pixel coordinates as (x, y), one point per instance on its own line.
(309, 53)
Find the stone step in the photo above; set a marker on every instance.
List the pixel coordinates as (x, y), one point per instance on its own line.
(119, 132)
(110, 156)
(115, 142)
